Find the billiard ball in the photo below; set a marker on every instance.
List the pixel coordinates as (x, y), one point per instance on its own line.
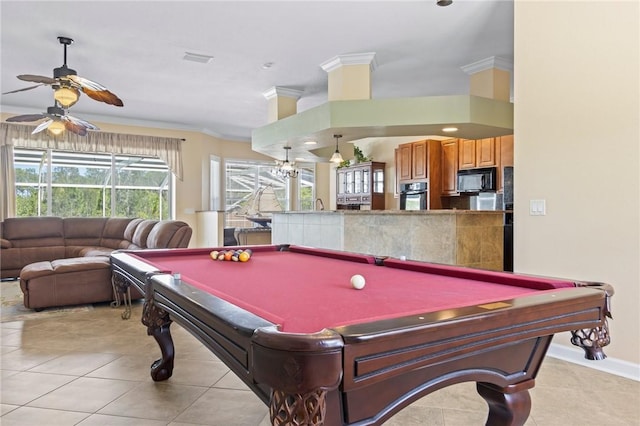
(358, 282)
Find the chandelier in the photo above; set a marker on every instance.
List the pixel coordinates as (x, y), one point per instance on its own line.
(285, 168)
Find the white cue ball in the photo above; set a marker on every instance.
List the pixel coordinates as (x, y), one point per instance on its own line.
(357, 281)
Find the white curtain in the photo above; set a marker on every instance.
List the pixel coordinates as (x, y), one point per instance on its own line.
(7, 182)
(167, 149)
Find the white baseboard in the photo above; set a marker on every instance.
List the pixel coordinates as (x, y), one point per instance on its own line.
(618, 367)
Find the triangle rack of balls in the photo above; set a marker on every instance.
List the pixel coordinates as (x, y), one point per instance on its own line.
(240, 255)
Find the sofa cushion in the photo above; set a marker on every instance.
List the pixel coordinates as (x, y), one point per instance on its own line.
(16, 258)
(83, 231)
(34, 232)
(113, 233)
(142, 233)
(28, 228)
(61, 266)
(5, 243)
(131, 229)
(168, 234)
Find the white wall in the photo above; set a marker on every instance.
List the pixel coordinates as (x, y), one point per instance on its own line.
(577, 133)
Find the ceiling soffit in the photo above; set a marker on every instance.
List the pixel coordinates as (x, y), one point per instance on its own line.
(475, 117)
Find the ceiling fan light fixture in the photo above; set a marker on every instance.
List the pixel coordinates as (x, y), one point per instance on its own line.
(56, 128)
(336, 157)
(66, 96)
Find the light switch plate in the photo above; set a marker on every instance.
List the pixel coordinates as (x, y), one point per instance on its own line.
(537, 207)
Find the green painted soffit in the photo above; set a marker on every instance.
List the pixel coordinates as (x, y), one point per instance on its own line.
(475, 117)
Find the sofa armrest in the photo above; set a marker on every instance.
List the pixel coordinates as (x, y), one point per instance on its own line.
(5, 244)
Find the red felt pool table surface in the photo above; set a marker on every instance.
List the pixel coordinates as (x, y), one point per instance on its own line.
(305, 290)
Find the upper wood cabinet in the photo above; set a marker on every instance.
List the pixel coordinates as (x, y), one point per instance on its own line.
(476, 153)
(449, 167)
(419, 160)
(486, 152)
(506, 150)
(404, 161)
(467, 153)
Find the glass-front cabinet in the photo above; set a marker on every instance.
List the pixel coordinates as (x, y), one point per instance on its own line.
(361, 186)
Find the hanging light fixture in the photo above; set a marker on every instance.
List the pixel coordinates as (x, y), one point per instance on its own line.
(56, 128)
(444, 2)
(336, 157)
(285, 168)
(66, 95)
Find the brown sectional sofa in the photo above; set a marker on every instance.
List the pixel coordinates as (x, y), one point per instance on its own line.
(64, 261)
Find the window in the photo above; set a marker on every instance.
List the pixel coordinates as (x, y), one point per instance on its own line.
(243, 180)
(306, 187)
(66, 184)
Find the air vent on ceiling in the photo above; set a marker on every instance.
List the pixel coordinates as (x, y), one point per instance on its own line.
(196, 57)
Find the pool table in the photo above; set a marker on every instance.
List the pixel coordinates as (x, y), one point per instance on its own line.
(318, 351)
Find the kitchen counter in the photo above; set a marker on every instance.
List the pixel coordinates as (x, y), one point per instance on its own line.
(457, 237)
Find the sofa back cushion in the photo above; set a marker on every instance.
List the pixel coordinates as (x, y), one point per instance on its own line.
(83, 231)
(169, 234)
(34, 231)
(139, 240)
(113, 233)
(131, 229)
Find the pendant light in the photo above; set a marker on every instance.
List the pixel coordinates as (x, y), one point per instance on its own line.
(285, 168)
(336, 157)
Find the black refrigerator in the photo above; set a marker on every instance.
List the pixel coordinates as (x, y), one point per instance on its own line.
(507, 174)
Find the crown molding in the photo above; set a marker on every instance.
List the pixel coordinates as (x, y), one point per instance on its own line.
(488, 63)
(282, 91)
(368, 58)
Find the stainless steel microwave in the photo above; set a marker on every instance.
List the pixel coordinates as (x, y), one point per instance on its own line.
(477, 180)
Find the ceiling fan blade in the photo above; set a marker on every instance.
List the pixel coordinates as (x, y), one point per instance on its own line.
(103, 96)
(25, 118)
(96, 91)
(37, 78)
(22, 90)
(80, 122)
(42, 126)
(75, 128)
(85, 82)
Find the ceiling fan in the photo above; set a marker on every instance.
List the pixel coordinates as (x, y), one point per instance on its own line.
(58, 121)
(67, 84)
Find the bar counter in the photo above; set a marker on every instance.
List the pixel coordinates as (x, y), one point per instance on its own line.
(455, 237)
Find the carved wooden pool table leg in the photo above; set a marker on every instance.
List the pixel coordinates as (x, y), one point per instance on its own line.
(298, 409)
(158, 323)
(508, 406)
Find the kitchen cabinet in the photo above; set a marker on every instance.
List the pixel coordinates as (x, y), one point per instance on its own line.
(361, 186)
(476, 153)
(449, 167)
(504, 146)
(421, 161)
(404, 154)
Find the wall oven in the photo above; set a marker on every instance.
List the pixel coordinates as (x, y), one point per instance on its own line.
(413, 196)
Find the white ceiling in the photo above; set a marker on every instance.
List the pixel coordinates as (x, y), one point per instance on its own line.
(136, 50)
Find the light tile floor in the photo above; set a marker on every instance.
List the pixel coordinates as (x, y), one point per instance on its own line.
(92, 368)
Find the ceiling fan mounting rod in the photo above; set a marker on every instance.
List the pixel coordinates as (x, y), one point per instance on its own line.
(66, 41)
